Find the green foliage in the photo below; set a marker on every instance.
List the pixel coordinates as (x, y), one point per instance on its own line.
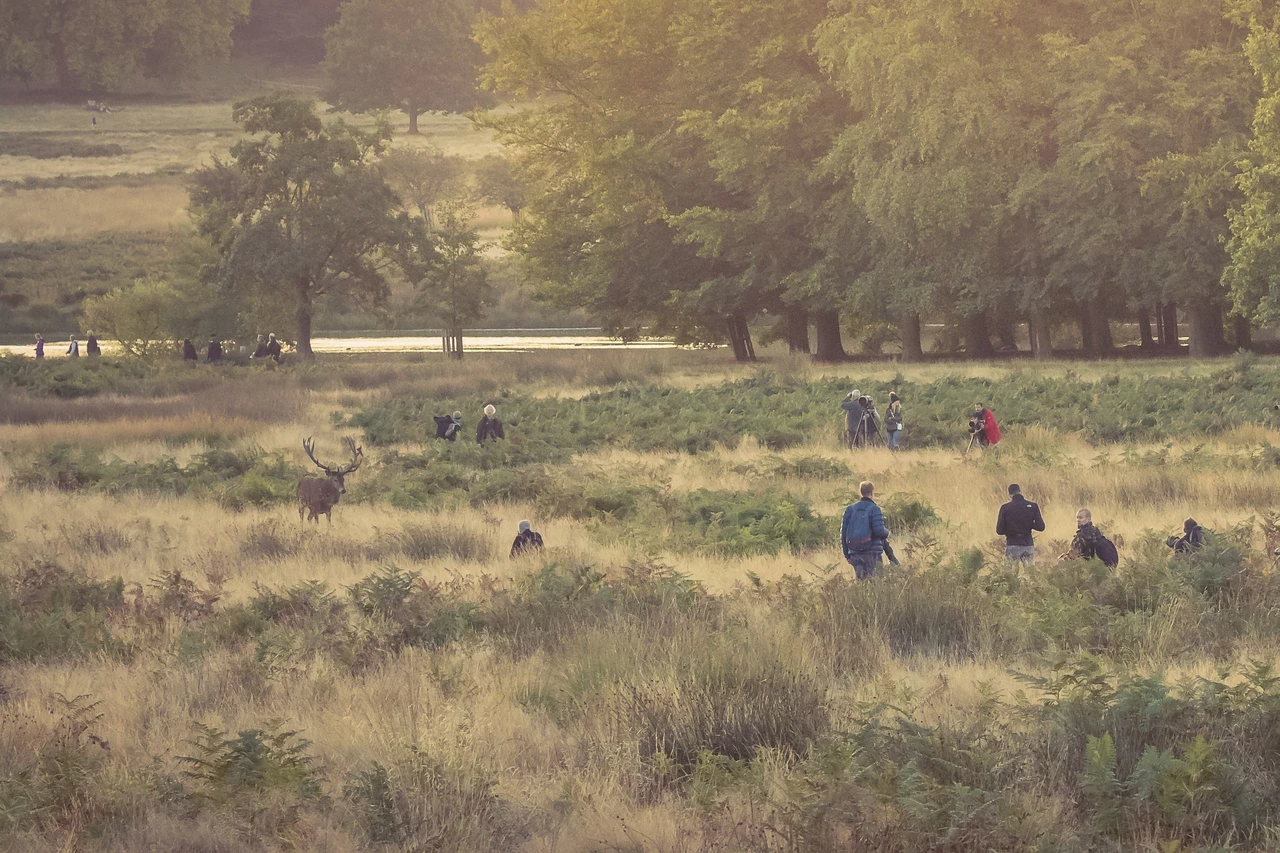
(734, 523)
(312, 224)
(95, 45)
(781, 413)
(405, 55)
(50, 613)
(237, 480)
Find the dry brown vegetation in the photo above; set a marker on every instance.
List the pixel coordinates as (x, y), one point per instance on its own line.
(611, 694)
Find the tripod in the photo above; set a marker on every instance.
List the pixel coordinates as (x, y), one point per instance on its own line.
(866, 431)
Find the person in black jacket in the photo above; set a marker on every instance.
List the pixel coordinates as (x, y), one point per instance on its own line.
(1018, 518)
(91, 347)
(214, 355)
(1192, 538)
(490, 427)
(526, 540)
(273, 348)
(189, 351)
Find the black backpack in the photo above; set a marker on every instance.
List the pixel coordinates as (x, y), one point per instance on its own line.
(1105, 550)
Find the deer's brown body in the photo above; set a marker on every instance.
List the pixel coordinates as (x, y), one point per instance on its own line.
(318, 495)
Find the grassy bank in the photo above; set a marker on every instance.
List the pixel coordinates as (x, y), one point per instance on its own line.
(688, 666)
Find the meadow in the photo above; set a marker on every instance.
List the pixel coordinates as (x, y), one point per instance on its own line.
(86, 207)
(689, 666)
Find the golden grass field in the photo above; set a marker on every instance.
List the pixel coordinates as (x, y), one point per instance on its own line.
(565, 783)
(158, 143)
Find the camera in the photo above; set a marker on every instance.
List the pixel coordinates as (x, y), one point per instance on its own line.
(976, 424)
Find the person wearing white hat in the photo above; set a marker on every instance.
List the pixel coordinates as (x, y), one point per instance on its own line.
(526, 540)
(490, 427)
(853, 411)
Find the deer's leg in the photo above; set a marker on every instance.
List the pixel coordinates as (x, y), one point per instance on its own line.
(328, 513)
(301, 509)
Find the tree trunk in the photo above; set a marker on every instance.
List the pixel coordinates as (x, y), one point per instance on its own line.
(1171, 338)
(1161, 334)
(304, 319)
(1086, 330)
(413, 119)
(1041, 336)
(1144, 327)
(912, 347)
(1103, 343)
(1006, 333)
(1243, 332)
(977, 339)
(826, 327)
(797, 328)
(1207, 338)
(740, 337)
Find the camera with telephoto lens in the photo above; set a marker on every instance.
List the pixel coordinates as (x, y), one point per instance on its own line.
(976, 424)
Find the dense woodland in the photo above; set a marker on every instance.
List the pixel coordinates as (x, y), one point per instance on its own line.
(869, 169)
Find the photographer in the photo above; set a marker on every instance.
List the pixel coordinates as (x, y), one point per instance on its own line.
(870, 426)
(893, 422)
(853, 412)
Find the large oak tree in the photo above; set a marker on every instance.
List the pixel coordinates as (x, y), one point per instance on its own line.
(300, 210)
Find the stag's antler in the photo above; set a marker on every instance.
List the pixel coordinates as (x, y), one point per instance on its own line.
(357, 455)
(309, 445)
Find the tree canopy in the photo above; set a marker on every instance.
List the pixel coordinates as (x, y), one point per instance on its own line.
(299, 212)
(694, 164)
(100, 45)
(410, 55)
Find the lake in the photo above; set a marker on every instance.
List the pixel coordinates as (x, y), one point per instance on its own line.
(482, 340)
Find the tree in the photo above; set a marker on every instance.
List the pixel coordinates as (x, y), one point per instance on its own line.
(499, 183)
(300, 210)
(410, 55)
(149, 315)
(424, 178)
(100, 45)
(450, 274)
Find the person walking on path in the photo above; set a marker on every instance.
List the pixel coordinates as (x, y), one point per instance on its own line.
(1018, 518)
(91, 347)
(39, 345)
(526, 540)
(490, 427)
(73, 350)
(893, 422)
(863, 534)
(214, 355)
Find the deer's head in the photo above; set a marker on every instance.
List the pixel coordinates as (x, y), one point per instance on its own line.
(337, 476)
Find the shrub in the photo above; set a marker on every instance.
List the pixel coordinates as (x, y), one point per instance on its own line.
(438, 539)
(48, 612)
(421, 802)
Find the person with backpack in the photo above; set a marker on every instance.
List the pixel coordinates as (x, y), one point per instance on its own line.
(1090, 544)
(527, 540)
(448, 427)
(893, 422)
(863, 534)
(1016, 522)
(1192, 538)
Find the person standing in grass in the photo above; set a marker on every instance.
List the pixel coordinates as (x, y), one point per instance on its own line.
(893, 422)
(1018, 518)
(189, 351)
(853, 411)
(273, 348)
(863, 534)
(214, 355)
(91, 347)
(39, 345)
(526, 540)
(490, 427)
(73, 350)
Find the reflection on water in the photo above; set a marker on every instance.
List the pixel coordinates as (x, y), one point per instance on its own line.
(520, 341)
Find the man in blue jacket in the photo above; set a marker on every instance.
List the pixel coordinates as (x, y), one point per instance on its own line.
(863, 534)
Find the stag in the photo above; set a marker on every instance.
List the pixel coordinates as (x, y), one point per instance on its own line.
(318, 495)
